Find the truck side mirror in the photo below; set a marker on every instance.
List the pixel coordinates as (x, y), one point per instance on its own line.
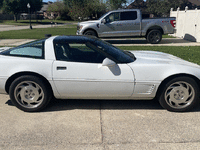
(103, 21)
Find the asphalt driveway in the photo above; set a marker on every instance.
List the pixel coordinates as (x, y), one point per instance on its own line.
(98, 125)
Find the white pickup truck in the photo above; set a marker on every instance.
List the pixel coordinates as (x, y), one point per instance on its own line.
(128, 23)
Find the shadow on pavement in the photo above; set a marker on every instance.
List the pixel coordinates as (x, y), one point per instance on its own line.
(71, 104)
(58, 105)
(143, 41)
(127, 41)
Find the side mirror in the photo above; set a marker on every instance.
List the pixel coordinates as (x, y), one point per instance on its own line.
(103, 21)
(107, 62)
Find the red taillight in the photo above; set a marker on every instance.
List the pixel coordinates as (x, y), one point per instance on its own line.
(173, 22)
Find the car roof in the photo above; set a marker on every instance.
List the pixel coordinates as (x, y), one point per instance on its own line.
(73, 38)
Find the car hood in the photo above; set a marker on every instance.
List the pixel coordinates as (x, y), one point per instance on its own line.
(89, 22)
(161, 58)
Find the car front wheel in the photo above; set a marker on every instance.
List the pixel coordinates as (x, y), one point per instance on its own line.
(29, 93)
(180, 94)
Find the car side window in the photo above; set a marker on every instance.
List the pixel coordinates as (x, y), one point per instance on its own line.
(128, 15)
(32, 50)
(113, 17)
(77, 52)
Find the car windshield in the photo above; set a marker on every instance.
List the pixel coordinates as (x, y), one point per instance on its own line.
(118, 54)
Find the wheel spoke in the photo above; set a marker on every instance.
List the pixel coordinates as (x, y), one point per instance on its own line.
(29, 94)
(179, 94)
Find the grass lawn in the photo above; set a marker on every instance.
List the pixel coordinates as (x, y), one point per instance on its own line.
(189, 53)
(37, 33)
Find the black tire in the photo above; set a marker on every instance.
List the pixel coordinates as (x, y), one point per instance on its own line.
(180, 94)
(90, 33)
(29, 93)
(154, 36)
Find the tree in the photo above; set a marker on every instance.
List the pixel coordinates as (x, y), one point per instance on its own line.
(187, 3)
(138, 4)
(115, 4)
(1, 3)
(80, 9)
(161, 7)
(12, 6)
(17, 6)
(60, 9)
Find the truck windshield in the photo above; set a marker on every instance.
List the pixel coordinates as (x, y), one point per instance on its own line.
(104, 15)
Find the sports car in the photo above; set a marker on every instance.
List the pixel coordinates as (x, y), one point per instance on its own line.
(83, 67)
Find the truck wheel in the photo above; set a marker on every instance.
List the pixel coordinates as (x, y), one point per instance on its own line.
(154, 36)
(91, 33)
(29, 93)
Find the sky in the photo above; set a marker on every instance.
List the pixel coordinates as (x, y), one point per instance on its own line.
(49, 0)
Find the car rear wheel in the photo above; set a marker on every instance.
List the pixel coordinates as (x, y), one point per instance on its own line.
(91, 33)
(29, 93)
(154, 36)
(180, 94)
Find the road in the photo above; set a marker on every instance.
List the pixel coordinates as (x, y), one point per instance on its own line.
(98, 125)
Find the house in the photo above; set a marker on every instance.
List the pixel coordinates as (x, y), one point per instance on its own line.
(195, 2)
(43, 10)
(139, 4)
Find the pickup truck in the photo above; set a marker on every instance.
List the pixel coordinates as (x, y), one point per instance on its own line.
(128, 23)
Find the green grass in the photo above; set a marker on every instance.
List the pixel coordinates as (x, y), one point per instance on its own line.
(189, 53)
(167, 36)
(33, 22)
(37, 33)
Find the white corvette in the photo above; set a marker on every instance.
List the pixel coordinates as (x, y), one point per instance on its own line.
(81, 67)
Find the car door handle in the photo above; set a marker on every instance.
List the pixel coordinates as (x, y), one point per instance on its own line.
(61, 68)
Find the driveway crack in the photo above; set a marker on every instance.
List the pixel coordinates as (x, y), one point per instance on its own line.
(101, 123)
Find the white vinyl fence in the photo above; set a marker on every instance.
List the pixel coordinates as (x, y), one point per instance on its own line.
(187, 24)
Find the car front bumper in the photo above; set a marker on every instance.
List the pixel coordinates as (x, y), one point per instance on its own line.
(78, 33)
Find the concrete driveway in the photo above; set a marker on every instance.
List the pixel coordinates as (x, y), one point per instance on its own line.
(116, 42)
(98, 125)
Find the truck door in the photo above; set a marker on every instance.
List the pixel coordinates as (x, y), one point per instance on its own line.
(111, 27)
(130, 23)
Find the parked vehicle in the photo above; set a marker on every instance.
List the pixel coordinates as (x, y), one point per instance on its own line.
(80, 67)
(127, 23)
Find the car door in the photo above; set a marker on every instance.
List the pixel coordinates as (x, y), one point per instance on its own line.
(83, 76)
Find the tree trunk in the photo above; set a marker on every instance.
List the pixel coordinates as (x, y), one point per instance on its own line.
(15, 17)
(36, 15)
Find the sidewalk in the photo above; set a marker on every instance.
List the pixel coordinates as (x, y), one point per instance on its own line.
(116, 42)
(14, 42)
(14, 27)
